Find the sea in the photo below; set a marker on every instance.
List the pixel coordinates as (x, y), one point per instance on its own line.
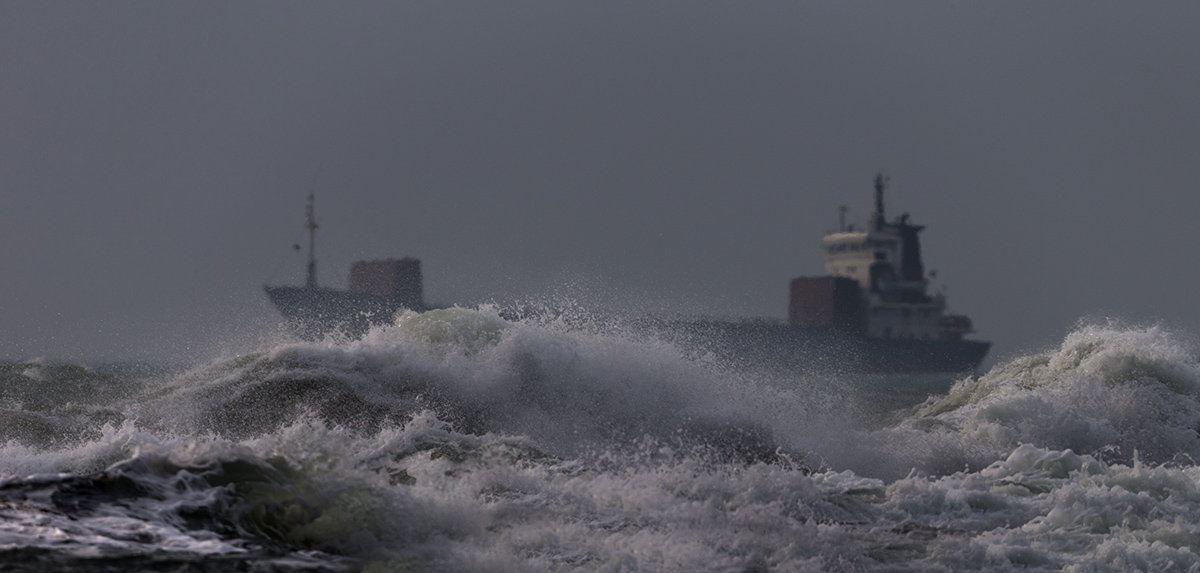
(457, 440)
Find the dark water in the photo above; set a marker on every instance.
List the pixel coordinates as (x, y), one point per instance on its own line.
(458, 441)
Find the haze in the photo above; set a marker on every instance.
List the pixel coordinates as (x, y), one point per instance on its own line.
(673, 156)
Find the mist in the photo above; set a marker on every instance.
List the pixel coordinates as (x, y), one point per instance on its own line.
(673, 157)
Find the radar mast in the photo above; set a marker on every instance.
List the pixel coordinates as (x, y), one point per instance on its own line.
(881, 182)
(311, 225)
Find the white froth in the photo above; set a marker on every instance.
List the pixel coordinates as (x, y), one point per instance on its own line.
(501, 446)
(1108, 391)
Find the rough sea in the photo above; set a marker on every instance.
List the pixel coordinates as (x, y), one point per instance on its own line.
(456, 440)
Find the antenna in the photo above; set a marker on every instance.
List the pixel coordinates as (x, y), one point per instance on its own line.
(881, 182)
(842, 218)
(311, 225)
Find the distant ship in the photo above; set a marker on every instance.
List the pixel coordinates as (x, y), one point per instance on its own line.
(378, 290)
(871, 313)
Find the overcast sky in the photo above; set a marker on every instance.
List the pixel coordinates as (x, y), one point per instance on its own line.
(677, 156)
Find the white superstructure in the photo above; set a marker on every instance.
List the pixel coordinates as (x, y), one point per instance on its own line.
(885, 261)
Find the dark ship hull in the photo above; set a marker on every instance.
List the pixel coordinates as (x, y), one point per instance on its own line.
(313, 313)
(771, 344)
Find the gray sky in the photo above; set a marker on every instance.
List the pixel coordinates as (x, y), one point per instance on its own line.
(677, 156)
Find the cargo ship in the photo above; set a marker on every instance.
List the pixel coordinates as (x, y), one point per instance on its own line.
(378, 290)
(871, 313)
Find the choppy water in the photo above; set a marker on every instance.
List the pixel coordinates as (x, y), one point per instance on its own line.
(457, 441)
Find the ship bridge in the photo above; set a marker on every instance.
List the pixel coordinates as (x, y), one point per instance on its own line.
(885, 261)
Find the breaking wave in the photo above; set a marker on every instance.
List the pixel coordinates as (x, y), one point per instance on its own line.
(456, 440)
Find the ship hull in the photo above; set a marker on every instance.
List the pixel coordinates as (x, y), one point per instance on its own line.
(779, 345)
(312, 313)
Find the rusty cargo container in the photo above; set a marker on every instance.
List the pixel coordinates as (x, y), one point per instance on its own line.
(827, 302)
(395, 278)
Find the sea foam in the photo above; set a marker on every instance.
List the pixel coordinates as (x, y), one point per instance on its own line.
(456, 440)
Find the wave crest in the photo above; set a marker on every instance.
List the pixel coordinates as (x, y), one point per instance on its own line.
(1110, 390)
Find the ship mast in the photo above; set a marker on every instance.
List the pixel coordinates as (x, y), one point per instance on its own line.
(880, 183)
(311, 225)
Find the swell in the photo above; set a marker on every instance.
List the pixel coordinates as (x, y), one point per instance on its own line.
(574, 386)
(569, 388)
(458, 441)
(423, 497)
(1117, 392)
